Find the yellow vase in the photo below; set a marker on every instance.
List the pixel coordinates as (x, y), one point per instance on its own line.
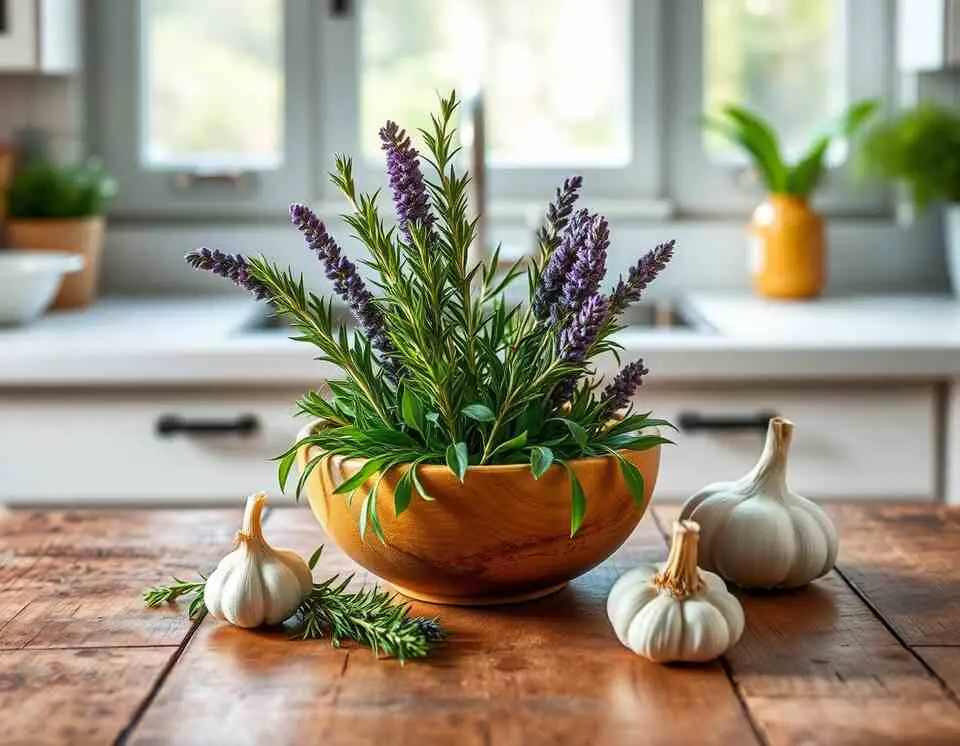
(788, 255)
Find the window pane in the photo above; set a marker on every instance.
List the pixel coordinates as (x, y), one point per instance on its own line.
(213, 84)
(783, 58)
(555, 73)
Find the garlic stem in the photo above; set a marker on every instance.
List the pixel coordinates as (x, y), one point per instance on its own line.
(252, 529)
(680, 575)
(773, 459)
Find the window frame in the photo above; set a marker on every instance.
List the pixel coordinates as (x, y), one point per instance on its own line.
(115, 125)
(699, 184)
(668, 174)
(639, 180)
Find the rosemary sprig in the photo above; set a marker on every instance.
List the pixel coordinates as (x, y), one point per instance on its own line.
(369, 616)
(164, 594)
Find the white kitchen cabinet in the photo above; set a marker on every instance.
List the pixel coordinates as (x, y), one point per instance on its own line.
(141, 446)
(928, 34)
(40, 36)
(127, 446)
(851, 441)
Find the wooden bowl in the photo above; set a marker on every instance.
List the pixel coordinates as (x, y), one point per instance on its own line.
(499, 537)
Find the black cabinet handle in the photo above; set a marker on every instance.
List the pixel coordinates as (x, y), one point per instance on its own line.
(169, 425)
(694, 422)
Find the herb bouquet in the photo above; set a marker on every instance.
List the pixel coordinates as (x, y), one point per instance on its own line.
(453, 394)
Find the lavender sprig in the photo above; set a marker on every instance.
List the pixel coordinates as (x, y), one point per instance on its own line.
(346, 282)
(406, 180)
(650, 265)
(575, 340)
(558, 213)
(589, 267)
(232, 266)
(618, 393)
(558, 268)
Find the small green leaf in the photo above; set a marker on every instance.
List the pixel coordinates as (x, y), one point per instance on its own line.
(412, 410)
(403, 492)
(578, 504)
(286, 464)
(578, 433)
(514, 444)
(366, 471)
(417, 483)
(315, 557)
(479, 412)
(433, 417)
(541, 458)
(634, 480)
(645, 443)
(457, 459)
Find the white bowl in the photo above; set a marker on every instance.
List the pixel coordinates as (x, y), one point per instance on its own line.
(29, 280)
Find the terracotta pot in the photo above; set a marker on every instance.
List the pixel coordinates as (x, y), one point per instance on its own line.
(81, 236)
(788, 255)
(7, 154)
(498, 537)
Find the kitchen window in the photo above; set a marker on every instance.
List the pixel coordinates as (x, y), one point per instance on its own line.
(234, 107)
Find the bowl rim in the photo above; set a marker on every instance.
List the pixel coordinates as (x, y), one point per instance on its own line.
(33, 260)
(481, 468)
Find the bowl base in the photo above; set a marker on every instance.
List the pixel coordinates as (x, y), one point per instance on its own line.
(492, 600)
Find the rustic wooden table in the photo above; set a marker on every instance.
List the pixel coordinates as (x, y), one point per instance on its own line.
(868, 655)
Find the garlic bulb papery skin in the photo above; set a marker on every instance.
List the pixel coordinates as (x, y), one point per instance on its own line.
(756, 532)
(256, 584)
(675, 611)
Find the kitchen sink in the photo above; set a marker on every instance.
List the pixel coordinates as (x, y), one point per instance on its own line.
(659, 315)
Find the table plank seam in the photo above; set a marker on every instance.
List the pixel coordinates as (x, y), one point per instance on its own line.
(724, 664)
(124, 735)
(951, 695)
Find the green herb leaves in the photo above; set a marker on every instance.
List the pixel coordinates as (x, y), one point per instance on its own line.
(458, 459)
(541, 459)
(479, 413)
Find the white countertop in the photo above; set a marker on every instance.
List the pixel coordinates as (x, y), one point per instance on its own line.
(137, 341)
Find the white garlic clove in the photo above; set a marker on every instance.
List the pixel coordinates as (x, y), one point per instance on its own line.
(257, 584)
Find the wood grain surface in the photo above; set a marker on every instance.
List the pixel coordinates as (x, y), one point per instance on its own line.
(851, 659)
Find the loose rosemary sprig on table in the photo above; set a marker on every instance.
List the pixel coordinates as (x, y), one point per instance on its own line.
(164, 594)
(369, 616)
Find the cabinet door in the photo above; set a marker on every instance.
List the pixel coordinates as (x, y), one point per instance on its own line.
(851, 441)
(139, 447)
(18, 35)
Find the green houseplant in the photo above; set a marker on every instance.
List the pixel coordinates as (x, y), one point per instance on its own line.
(469, 433)
(56, 207)
(920, 148)
(788, 235)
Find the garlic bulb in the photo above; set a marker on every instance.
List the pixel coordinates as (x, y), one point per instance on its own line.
(674, 612)
(256, 584)
(756, 532)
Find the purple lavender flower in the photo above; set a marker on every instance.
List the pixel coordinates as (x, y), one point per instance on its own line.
(575, 340)
(558, 212)
(232, 266)
(650, 265)
(617, 395)
(346, 282)
(589, 267)
(406, 180)
(561, 262)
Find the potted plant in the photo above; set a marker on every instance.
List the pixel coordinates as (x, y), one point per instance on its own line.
(789, 246)
(54, 207)
(469, 455)
(920, 148)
